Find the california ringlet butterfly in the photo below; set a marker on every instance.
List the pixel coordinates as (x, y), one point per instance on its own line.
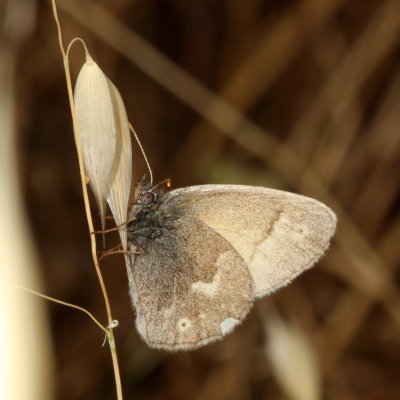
(202, 254)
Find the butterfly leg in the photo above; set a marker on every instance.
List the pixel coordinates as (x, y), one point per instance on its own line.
(116, 228)
(118, 250)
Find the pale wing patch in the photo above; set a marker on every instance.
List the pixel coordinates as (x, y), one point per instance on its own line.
(208, 289)
(211, 289)
(227, 325)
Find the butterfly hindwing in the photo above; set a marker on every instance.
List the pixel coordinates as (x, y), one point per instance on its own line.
(189, 287)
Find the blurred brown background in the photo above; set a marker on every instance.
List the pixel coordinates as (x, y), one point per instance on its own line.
(301, 95)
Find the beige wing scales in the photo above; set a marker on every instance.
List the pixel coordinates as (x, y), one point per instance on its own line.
(278, 234)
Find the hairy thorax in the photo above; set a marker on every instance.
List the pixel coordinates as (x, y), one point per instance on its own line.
(153, 214)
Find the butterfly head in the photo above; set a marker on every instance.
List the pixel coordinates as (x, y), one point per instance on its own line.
(146, 194)
(147, 198)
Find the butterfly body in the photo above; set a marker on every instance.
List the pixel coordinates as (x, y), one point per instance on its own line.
(152, 220)
(204, 253)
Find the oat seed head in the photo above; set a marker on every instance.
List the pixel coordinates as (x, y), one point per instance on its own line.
(105, 138)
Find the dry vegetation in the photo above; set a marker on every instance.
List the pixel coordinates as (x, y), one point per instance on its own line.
(302, 95)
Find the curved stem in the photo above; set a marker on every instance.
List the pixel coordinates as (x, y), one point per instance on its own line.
(110, 334)
(64, 303)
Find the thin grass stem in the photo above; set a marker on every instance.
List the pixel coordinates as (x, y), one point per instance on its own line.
(110, 334)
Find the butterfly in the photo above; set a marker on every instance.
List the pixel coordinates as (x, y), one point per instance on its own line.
(201, 255)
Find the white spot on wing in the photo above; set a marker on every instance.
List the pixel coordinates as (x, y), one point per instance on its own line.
(227, 325)
(211, 289)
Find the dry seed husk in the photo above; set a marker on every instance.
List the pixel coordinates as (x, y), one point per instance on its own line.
(105, 139)
(121, 184)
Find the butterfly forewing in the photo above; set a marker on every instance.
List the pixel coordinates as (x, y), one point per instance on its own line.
(278, 234)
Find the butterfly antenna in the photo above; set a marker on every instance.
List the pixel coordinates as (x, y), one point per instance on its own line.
(166, 181)
(144, 154)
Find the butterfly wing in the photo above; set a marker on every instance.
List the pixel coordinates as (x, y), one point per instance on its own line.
(279, 234)
(189, 287)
